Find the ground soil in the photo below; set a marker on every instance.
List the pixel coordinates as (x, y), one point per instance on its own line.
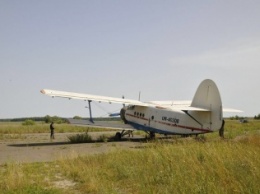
(28, 148)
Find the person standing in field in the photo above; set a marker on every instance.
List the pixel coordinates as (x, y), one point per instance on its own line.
(52, 130)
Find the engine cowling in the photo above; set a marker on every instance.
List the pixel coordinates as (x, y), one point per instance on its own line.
(122, 114)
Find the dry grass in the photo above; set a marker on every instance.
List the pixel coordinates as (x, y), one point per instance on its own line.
(185, 166)
(179, 165)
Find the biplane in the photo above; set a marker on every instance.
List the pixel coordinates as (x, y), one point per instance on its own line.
(203, 114)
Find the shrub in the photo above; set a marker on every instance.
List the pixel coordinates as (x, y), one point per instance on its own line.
(80, 138)
(102, 138)
(77, 117)
(28, 122)
(55, 119)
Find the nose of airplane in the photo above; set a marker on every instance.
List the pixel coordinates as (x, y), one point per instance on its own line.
(122, 114)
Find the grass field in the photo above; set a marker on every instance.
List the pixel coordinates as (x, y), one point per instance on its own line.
(207, 164)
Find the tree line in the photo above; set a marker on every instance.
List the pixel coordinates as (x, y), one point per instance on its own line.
(55, 119)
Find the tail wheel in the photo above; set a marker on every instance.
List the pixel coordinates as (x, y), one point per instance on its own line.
(221, 130)
(152, 135)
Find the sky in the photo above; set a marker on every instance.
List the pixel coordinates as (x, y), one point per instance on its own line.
(162, 49)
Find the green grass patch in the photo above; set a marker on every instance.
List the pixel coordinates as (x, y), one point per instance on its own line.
(40, 127)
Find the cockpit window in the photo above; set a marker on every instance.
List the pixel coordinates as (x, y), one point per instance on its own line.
(131, 107)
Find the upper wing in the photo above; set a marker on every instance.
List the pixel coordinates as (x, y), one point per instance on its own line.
(177, 105)
(173, 105)
(86, 97)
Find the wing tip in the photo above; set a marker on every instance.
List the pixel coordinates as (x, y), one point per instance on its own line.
(43, 91)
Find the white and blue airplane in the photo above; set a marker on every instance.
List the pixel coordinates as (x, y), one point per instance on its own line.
(204, 114)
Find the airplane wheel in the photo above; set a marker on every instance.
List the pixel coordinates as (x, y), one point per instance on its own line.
(118, 136)
(152, 135)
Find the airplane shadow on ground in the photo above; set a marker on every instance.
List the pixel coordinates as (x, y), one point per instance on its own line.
(141, 140)
(39, 144)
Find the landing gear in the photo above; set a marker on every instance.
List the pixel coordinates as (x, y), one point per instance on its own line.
(151, 135)
(221, 130)
(119, 135)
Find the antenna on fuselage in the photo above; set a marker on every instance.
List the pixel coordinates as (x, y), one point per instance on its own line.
(123, 97)
(139, 98)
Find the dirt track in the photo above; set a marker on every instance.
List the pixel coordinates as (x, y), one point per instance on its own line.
(39, 148)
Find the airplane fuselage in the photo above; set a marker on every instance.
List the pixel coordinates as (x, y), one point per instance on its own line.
(164, 121)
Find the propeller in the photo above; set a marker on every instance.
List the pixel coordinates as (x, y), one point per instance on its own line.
(117, 113)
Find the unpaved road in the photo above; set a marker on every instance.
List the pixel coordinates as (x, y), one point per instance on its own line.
(38, 147)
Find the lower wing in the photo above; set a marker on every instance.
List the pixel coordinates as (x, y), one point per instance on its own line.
(101, 124)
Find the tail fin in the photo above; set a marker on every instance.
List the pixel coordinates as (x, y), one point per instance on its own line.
(208, 97)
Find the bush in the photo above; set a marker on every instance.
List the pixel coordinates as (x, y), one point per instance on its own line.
(28, 122)
(55, 119)
(102, 138)
(80, 138)
(77, 117)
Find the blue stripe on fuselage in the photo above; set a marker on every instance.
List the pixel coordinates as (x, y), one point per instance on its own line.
(150, 129)
(155, 130)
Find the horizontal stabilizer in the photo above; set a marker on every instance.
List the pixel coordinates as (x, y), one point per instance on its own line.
(171, 103)
(231, 110)
(188, 108)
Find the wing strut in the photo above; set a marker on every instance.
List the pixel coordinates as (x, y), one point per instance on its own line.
(187, 113)
(90, 112)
